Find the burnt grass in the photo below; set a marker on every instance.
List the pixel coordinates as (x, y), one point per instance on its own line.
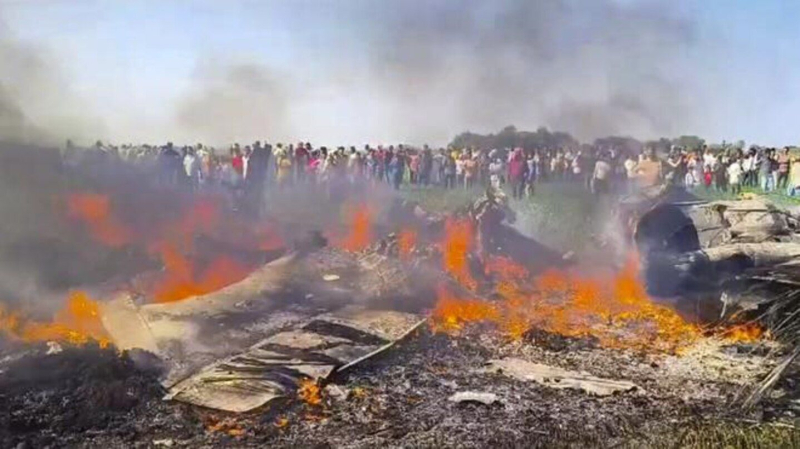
(93, 397)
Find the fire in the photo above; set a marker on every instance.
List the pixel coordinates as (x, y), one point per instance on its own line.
(77, 323)
(452, 313)
(173, 243)
(181, 279)
(309, 392)
(743, 333)
(456, 248)
(359, 234)
(227, 425)
(268, 239)
(613, 309)
(95, 211)
(406, 241)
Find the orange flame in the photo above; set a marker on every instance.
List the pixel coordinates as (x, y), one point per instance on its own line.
(94, 210)
(452, 313)
(309, 392)
(458, 241)
(406, 241)
(743, 333)
(173, 243)
(359, 234)
(180, 279)
(616, 310)
(77, 323)
(226, 425)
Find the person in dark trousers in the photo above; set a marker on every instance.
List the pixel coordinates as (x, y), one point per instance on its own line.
(516, 173)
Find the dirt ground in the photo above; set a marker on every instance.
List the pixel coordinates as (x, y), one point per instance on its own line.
(92, 397)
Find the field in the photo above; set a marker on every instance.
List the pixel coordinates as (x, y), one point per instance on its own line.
(561, 215)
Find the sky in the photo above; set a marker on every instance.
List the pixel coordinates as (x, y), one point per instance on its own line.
(375, 71)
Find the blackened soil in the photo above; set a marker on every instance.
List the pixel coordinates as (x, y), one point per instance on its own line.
(90, 397)
(56, 399)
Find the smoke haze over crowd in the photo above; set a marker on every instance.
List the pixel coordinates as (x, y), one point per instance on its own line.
(412, 71)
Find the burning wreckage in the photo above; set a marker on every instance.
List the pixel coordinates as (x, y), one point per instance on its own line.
(452, 329)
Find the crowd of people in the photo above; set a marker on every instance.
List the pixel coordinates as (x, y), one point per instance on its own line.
(602, 170)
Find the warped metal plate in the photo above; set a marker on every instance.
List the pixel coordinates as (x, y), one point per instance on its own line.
(275, 366)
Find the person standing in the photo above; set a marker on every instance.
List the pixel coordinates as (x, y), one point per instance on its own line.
(380, 164)
(397, 170)
(530, 178)
(720, 174)
(692, 179)
(449, 171)
(676, 164)
(794, 178)
(413, 167)
(735, 176)
(426, 166)
(496, 173)
(765, 171)
(387, 163)
(783, 162)
(470, 171)
(601, 176)
(191, 166)
(170, 162)
(747, 167)
(437, 168)
(256, 171)
(516, 173)
(649, 171)
(284, 162)
(460, 167)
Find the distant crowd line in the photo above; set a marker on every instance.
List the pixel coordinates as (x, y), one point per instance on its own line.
(260, 166)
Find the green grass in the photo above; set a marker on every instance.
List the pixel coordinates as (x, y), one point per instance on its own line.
(778, 198)
(559, 215)
(562, 216)
(435, 199)
(730, 435)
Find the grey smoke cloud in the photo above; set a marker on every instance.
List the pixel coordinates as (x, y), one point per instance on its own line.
(412, 70)
(37, 104)
(590, 68)
(234, 101)
(423, 71)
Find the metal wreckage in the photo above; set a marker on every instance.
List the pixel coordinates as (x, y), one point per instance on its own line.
(355, 306)
(450, 328)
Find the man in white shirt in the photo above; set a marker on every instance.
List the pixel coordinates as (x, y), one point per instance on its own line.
(735, 172)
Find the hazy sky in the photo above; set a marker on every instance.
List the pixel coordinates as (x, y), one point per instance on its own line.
(343, 71)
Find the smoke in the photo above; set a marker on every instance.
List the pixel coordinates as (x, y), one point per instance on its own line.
(37, 104)
(230, 102)
(589, 68)
(414, 71)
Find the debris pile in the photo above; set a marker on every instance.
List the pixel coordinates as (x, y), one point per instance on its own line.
(325, 342)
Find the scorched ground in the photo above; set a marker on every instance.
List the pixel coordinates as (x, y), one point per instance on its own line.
(374, 326)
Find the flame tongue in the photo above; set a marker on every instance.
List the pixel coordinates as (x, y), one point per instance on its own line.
(359, 233)
(95, 211)
(309, 392)
(77, 323)
(173, 242)
(615, 310)
(181, 280)
(456, 248)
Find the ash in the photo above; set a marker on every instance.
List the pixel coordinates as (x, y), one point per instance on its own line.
(92, 397)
